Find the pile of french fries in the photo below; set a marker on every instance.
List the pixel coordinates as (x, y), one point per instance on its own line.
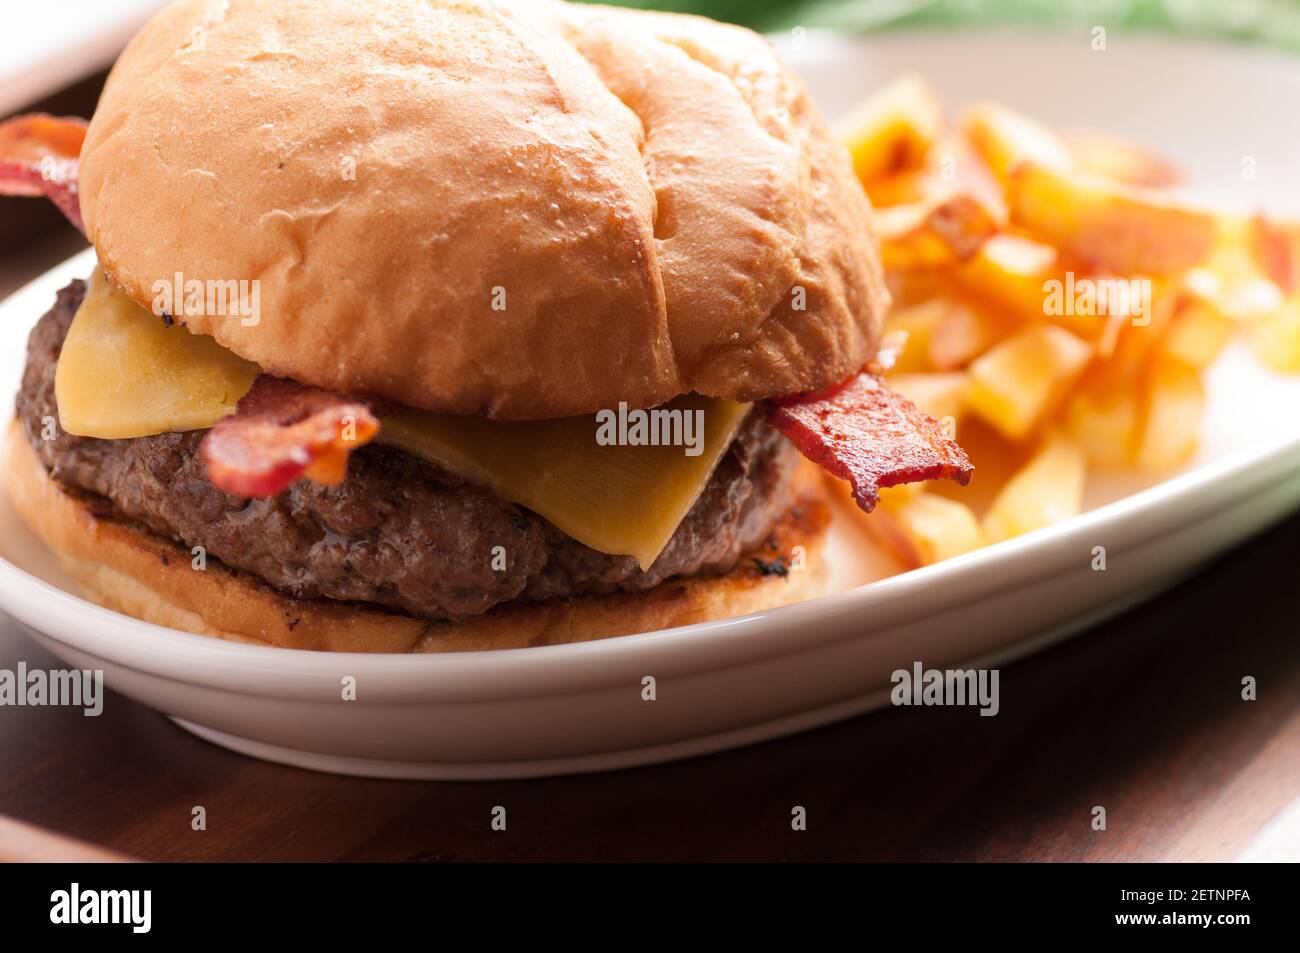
(1007, 247)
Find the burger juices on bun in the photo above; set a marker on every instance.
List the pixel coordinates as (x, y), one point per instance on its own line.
(427, 326)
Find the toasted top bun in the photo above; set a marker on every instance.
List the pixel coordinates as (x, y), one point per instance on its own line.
(525, 210)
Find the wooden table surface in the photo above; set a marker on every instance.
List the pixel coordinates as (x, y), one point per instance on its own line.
(1142, 715)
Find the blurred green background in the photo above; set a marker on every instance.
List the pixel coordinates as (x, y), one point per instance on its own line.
(1276, 22)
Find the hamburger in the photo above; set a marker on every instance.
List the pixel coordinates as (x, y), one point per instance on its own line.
(426, 326)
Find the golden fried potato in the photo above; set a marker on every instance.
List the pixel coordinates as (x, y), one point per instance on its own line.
(1237, 294)
(916, 325)
(1010, 272)
(1111, 227)
(921, 528)
(1056, 306)
(1004, 139)
(901, 188)
(1020, 381)
(942, 396)
(1173, 405)
(964, 332)
(1103, 422)
(1276, 245)
(1275, 338)
(1198, 331)
(893, 130)
(1120, 161)
(1049, 489)
(941, 231)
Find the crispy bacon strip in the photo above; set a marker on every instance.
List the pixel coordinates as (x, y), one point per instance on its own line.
(38, 156)
(283, 430)
(867, 434)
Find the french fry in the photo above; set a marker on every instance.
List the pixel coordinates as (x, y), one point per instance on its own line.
(900, 188)
(995, 458)
(923, 529)
(1197, 333)
(1276, 246)
(1112, 227)
(1004, 139)
(891, 497)
(1097, 306)
(1057, 305)
(1173, 405)
(1121, 161)
(1240, 253)
(1018, 383)
(1009, 272)
(1236, 294)
(939, 395)
(941, 231)
(910, 288)
(954, 164)
(893, 130)
(1276, 337)
(1049, 489)
(965, 331)
(1246, 281)
(918, 324)
(943, 333)
(1103, 422)
(1124, 364)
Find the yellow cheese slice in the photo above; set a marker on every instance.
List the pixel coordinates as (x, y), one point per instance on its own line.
(616, 498)
(123, 373)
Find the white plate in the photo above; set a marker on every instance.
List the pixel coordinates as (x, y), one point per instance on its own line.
(49, 45)
(578, 707)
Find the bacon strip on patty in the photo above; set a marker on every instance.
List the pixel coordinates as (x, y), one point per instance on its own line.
(871, 436)
(282, 431)
(38, 156)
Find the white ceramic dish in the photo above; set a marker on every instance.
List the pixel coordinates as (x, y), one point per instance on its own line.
(47, 46)
(577, 708)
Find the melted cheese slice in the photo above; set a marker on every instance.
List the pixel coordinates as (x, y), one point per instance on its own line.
(123, 373)
(616, 499)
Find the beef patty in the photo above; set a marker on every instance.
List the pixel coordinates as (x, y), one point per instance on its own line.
(398, 532)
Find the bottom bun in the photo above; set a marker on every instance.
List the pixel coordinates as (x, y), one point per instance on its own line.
(145, 576)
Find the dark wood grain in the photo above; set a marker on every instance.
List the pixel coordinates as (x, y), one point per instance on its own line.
(1142, 715)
